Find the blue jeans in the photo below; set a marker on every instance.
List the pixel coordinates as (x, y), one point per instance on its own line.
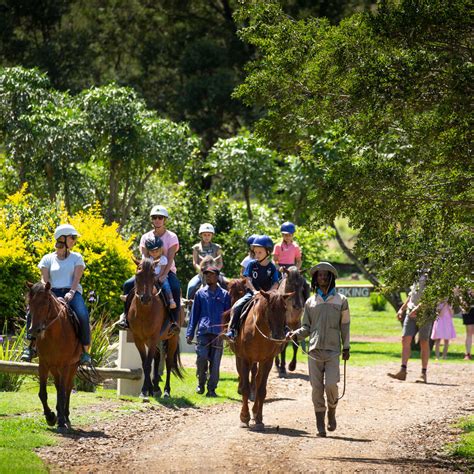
(79, 307)
(209, 353)
(237, 309)
(193, 286)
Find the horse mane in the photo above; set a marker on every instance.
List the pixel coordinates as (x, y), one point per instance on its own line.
(38, 287)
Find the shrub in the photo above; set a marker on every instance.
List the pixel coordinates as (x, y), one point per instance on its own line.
(10, 349)
(377, 301)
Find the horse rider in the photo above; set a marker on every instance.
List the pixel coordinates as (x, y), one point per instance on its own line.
(287, 253)
(326, 319)
(250, 256)
(202, 249)
(260, 273)
(63, 269)
(159, 216)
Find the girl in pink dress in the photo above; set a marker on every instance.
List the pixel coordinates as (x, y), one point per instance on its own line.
(443, 328)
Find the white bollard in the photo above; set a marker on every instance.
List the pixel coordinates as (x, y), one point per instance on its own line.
(128, 358)
(183, 345)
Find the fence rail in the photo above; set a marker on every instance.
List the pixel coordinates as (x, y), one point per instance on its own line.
(25, 368)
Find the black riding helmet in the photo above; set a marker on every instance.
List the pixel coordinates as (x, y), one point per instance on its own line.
(153, 243)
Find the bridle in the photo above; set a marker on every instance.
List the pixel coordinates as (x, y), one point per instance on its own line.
(45, 325)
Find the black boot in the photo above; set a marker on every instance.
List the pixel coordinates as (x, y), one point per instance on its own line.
(332, 419)
(28, 352)
(320, 425)
(123, 322)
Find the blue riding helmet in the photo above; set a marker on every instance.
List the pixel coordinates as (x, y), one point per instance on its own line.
(153, 243)
(288, 228)
(251, 239)
(263, 241)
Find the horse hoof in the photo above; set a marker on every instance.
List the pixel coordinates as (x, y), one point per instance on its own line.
(166, 394)
(144, 397)
(51, 419)
(63, 429)
(258, 427)
(157, 394)
(243, 425)
(282, 374)
(291, 366)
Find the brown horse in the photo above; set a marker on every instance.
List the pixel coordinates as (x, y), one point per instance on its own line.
(259, 340)
(297, 284)
(58, 349)
(147, 321)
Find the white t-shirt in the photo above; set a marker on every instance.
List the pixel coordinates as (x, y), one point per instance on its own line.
(61, 272)
(246, 261)
(162, 262)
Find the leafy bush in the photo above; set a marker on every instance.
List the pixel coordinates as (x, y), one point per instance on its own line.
(377, 301)
(10, 349)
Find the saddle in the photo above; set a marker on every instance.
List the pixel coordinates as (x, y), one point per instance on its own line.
(245, 310)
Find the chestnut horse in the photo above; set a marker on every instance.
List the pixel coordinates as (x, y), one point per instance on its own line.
(147, 321)
(259, 340)
(58, 349)
(297, 284)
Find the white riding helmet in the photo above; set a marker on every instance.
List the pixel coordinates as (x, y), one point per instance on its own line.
(65, 229)
(206, 228)
(159, 211)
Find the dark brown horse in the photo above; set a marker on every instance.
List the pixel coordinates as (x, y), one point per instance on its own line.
(58, 349)
(293, 283)
(148, 323)
(259, 340)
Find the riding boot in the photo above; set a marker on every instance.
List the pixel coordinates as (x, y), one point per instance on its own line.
(174, 326)
(123, 322)
(29, 352)
(332, 419)
(320, 415)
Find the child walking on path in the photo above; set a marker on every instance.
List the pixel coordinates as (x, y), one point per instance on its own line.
(443, 328)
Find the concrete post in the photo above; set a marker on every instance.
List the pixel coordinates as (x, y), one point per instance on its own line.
(128, 358)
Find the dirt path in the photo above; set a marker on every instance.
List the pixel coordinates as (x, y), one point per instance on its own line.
(381, 427)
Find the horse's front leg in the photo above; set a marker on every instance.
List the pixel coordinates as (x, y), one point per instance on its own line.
(261, 392)
(292, 364)
(156, 373)
(69, 384)
(60, 399)
(253, 373)
(171, 348)
(50, 416)
(146, 371)
(244, 370)
(282, 367)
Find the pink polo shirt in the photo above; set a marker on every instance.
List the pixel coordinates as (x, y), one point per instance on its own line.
(168, 238)
(287, 253)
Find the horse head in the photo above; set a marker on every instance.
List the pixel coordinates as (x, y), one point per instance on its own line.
(145, 280)
(276, 312)
(236, 288)
(39, 302)
(297, 284)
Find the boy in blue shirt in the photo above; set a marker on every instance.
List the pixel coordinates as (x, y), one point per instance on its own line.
(261, 274)
(206, 314)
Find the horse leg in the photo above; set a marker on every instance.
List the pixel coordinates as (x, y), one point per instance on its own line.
(253, 373)
(146, 373)
(292, 364)
(237, 364)
(172, 347)
(261, 392)
(43, 395)
(69, 384)
(282, 368)
(149, 360)
(156, 374)
(60, 399)
(244, 369)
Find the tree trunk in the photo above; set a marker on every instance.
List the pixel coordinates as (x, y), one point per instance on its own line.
(247, 202)
(113, 191)
(393, 298)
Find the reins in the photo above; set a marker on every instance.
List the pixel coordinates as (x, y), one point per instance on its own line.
(44, 327)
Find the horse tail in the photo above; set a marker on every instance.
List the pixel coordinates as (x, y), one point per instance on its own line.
(176, 364)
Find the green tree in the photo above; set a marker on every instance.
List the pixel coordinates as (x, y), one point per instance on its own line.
(380, 105)
(242, 165)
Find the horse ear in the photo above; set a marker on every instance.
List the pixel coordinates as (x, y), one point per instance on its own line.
(288, 295)
(47, 286)
(285, 270)
(265, 294)
(29, 284)
(137, 262)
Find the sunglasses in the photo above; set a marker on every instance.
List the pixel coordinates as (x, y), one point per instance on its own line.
(154, 218)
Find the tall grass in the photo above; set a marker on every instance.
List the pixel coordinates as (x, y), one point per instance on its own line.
(10, 349)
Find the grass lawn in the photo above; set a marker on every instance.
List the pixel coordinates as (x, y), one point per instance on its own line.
(465, 447)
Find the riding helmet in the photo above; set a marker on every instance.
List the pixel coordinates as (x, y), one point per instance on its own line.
(159, 211)
(288, 228)
(153, 243)
(206, 228)
(251, 239)
(65, 229)
(263, 241)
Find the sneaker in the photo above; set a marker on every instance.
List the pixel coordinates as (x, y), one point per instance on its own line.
(231, 335)
(211, 394)
(468, 357)
(400, 375)
(28, 354)
(421, 378)
(199, 389)
(85, 359)
(123, 323)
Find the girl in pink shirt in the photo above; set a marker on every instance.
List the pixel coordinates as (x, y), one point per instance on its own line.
(287, 253)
